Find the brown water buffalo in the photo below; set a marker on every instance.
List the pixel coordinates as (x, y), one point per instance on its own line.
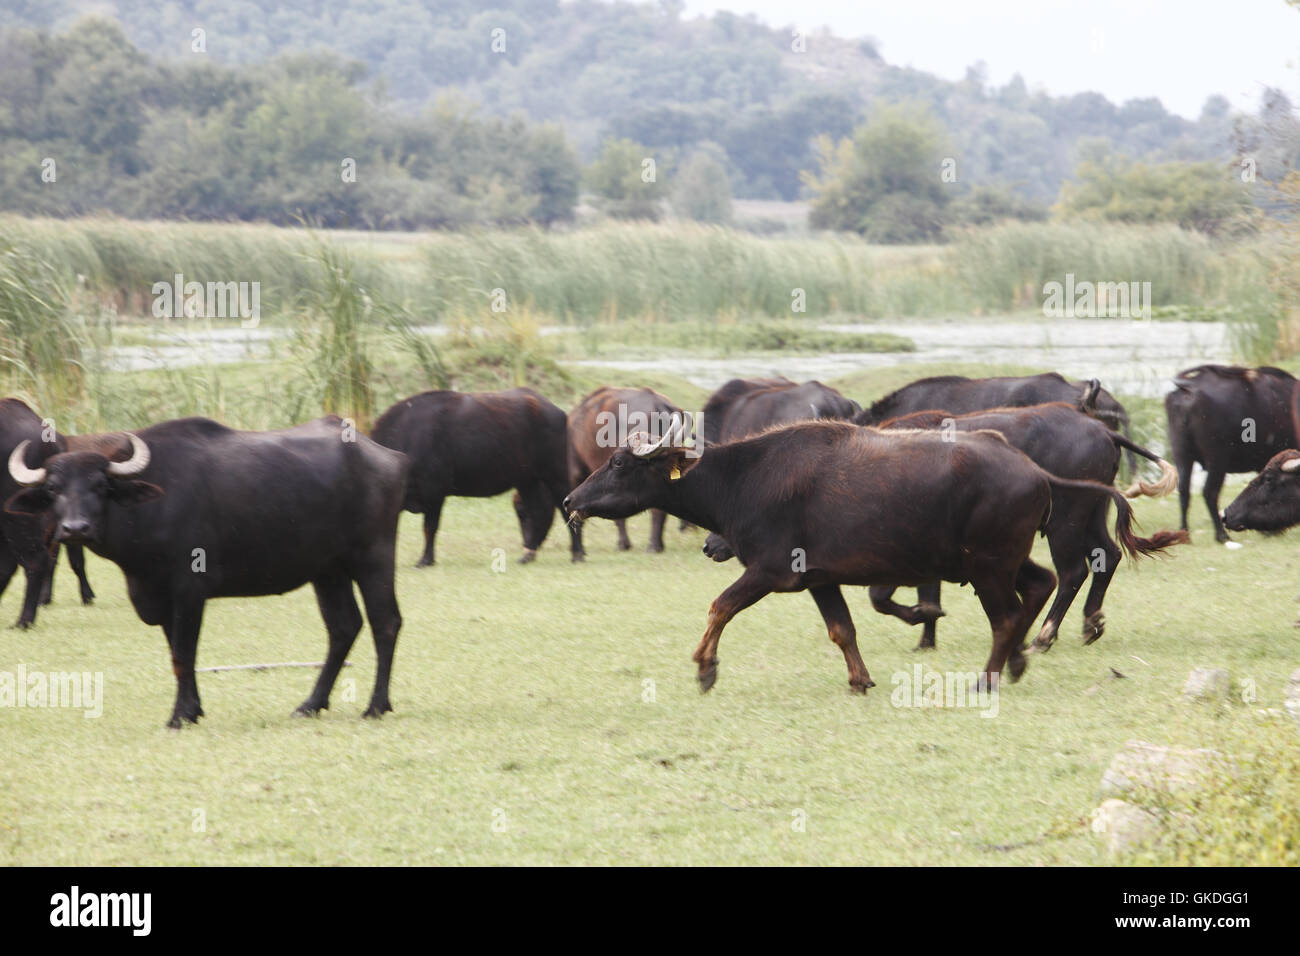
(200, 511)
(959, 395)
(597, 426)
(1227, 419)
(1069, 444)
(817, 505)
(28, 540)
(747, 406)
(479, 445)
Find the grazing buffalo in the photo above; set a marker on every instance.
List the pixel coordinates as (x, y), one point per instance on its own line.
(480, 445)
(1271, 502)
(200, 511)
(816, 505)
(28, 540)
(1227, 419)
(597, 426)
(1069, 444)
(747, 406)
(960, 395)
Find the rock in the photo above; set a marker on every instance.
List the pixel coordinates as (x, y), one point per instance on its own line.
(1207, 683)
(1124, 826)
(1169, 770)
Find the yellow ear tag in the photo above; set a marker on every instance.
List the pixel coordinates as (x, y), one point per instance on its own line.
(675, 473)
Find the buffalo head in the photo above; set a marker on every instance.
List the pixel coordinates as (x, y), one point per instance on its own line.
(635, 477)
(74, 487)
(1271, 502)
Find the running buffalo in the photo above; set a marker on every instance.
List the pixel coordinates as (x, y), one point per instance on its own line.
(745, 407)
(1069, 444)
(27, 540)
(817, 505)
(597, 426)
(1227, 419)
(480, 445)
(199, 511)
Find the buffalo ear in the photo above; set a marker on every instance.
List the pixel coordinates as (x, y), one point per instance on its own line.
(678, 463)
(29, 501)
(134, 492)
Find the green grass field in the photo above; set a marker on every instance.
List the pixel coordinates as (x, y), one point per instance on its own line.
(548, 714)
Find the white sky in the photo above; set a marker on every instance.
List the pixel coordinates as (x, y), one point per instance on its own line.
(1178, 50)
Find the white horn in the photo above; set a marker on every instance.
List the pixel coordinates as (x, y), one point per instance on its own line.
(27, 477)
(1290, 465)
(137, 463)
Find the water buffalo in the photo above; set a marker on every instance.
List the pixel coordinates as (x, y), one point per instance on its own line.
(1069, 444)
(597, 426)
(480, 445)
(200, 511)
(1227, 419)
(748, 406)
(816, 505)
(960, 395)
(1271, 502)
(27, 540)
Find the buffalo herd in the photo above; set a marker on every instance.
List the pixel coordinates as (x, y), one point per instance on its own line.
(947, 479)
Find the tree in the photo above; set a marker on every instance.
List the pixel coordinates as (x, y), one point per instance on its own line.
(701, 188)
(625, 178)
(886, 182)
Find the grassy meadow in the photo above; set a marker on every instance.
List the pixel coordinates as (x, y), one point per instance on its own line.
(549, 714)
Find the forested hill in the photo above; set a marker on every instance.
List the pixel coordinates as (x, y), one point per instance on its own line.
(642, 71)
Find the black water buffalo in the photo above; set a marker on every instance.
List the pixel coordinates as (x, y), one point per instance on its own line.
(747, 406)
(1069, 444)
(959, 395)
(200, 511)
(816, 505)
(27, 540)
(1271, 502)
(479, 445)
(597, 426)
(1227, 419)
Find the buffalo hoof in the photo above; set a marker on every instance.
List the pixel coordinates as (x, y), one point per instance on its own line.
(1016, 665)
(378, 710)
(861, 688)
(21, 625)
(928, 611)
(924, 645)
(424, 563)
(625, 546)
(654, 548)
(87, 597)
(577, 556)
(176, 722)
(708, 677)
(530, 555)
(308, 709)
(1094, 627)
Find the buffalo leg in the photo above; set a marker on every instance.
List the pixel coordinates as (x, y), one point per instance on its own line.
(536, 513)
(338, 608)
(1094, 622)
(47, 585)
(432, 515)
(8, 565)
(1213, 485)
(926, 611)
(744, 591)
(1071, 556)
(830, 601)
(37, 572)
(657, 520)
(183, 636)
(77, 561)
(376, 584)
(624, 542)
(1034, 585)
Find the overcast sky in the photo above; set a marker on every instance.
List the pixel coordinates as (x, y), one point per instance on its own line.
(1178, 50)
